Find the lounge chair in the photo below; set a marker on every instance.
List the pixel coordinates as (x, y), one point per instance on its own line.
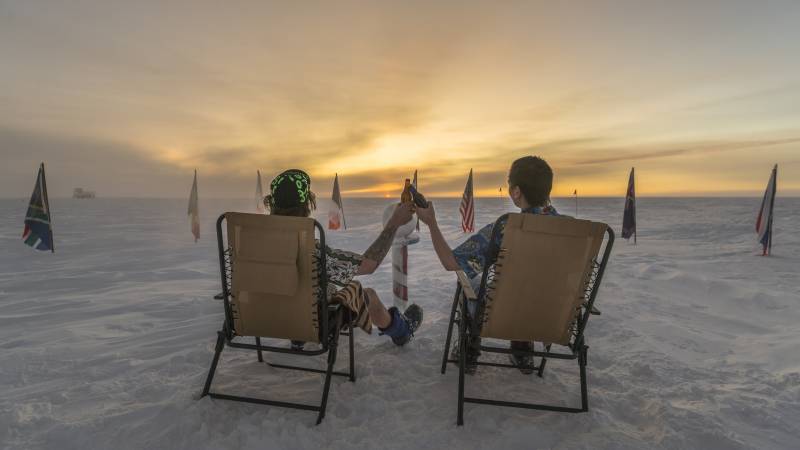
(274, 287)
(541, 287)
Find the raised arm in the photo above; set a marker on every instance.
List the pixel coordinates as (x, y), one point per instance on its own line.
(378, 250)
(443, 250)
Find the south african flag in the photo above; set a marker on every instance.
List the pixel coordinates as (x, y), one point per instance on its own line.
(38, 229)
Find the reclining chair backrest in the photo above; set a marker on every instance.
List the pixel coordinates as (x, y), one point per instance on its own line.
(541, 275)
(273, 276)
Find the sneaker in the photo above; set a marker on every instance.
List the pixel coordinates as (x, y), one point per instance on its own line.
(523, 362)
(413, 317)
(403, 326)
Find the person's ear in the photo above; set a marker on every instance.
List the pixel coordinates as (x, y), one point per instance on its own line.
(312, 200)
(268, 203)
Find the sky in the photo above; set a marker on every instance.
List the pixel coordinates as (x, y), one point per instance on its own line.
(128, 98)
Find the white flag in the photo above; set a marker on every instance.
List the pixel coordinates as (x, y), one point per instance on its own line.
(194, 211)
(336, 213)
(259, 194)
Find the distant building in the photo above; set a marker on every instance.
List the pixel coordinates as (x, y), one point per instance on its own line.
(80, 193)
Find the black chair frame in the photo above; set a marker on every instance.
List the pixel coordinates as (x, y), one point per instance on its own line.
(330, 326)
(578, 350)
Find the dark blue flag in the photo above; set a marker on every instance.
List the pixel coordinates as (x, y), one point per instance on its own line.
(764, 221)
(629, 216)
(38, 231)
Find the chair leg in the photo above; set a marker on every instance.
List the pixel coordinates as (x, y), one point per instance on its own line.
(582, 361)
(450, 329)
(544, 361)
(332, 348)
(217, 352)
(352, 353)
(462, 358)
(258, 343)
(326, 389)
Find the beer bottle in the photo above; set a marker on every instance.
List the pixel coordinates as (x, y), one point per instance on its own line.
(406, 196)
(418, 198)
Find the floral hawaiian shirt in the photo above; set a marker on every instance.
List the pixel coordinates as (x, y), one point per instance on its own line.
(341, 267)
(471, 254)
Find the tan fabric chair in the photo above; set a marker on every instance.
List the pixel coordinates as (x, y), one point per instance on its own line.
(542, 271)
(273, 279)
(541, 287)
(273, 283)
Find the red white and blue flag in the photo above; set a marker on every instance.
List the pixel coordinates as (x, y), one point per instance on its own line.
(467, 207)
(629, 216)
(764, 221)
(416, 188)
(38, 232)
(336, 212)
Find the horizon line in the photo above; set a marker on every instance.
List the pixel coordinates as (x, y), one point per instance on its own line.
(569, 197)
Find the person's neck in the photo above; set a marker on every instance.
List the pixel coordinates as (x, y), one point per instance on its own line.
(527, 207)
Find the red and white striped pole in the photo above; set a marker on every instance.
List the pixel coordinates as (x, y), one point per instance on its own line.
(400, 276)
(404, 236)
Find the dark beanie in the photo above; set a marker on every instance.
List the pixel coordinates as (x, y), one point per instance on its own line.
(290, 189)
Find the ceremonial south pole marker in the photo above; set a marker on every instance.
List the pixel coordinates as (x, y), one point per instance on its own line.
(403, 237)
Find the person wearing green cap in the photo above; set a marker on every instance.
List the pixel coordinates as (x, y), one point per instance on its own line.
(291, 195)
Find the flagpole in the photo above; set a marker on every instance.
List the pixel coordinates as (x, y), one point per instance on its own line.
(46, 201)
(576, 203)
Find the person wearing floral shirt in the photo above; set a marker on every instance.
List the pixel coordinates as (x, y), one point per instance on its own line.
(530, 181)
(290, 195)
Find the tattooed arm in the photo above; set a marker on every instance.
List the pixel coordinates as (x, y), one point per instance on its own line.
(378, 250)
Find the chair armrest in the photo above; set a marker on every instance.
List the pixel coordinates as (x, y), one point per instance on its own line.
(466, 286)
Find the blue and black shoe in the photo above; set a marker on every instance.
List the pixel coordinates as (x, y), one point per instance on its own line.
(403, 326)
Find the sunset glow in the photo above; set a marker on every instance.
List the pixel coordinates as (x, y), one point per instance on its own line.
(701, 99)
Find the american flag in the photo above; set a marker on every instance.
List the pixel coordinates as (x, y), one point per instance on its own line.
(336, 213)
(764, 221)
(467, 207)
(38, 232)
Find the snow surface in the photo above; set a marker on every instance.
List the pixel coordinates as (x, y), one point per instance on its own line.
(106, 343)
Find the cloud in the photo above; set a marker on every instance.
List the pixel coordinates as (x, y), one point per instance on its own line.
(685, 149)
(109, 167)
(132, 103)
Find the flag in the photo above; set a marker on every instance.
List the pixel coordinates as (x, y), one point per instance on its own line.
(38, 232)
(467, 207)
(336, 213)
(259, 193)
(194, 212)
(414, 183)
(764, 221)
(629, 216)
